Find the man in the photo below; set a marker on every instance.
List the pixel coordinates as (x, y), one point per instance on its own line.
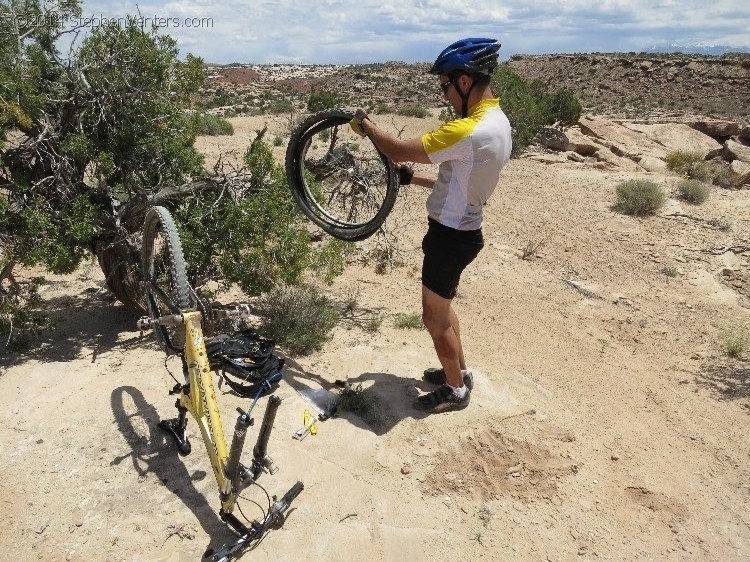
(471, 151)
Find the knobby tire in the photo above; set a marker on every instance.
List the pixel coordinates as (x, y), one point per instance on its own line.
(362, 191)
(166, 286)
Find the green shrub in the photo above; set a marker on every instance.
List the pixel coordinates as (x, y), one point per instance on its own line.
(412, 110)
(735, 339)
(639, 197)
(381, 108)
(258, 241)
(280, 106)
(681, 161)
(318, 101)
(565, 108)
(529, 106)
(356, 399)
(413, 321)
(278, 141)
(700, 171)
(693, 191)
(300, 318)
(723, 176)
(214, 125)
(373, 323)
(446, 114)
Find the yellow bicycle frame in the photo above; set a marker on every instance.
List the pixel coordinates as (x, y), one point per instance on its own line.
(199, 398)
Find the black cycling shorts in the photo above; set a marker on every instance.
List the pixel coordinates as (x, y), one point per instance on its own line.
(447, 252)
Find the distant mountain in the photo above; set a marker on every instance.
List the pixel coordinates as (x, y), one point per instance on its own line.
(697, 49)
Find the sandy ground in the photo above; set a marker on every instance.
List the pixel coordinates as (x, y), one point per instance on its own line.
(606, 422)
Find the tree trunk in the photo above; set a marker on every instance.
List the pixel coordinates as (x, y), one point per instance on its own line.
(119, 254)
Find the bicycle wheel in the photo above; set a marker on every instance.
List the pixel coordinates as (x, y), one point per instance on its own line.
(342, 183)
(166, 286)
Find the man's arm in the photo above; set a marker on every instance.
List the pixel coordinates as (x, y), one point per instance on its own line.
(398, 150)
(423, 181)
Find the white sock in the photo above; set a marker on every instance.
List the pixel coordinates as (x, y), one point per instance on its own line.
(459, 392)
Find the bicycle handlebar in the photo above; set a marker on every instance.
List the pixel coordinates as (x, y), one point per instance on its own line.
(273, 519)
(239, 311)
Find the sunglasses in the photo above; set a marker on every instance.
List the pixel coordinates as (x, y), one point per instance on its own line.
(445, 86)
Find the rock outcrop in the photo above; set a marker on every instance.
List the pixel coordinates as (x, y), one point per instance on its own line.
(678, 136)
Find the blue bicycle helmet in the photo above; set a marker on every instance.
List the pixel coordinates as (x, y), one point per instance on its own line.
(472, 56)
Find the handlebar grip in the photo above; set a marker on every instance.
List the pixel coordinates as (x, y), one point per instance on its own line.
(145, 322)
(239, 311)
(293, 492)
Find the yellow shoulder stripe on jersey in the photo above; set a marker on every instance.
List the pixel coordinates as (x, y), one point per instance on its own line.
(458, 129)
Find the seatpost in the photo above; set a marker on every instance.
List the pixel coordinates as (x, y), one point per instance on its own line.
(235, 452)
(261, 460)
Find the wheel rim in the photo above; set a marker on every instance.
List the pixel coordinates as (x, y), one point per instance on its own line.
(344, 182)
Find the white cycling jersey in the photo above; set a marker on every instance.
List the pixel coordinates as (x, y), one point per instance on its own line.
(471, 152)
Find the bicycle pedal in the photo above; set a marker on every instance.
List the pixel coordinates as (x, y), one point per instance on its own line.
(178, 434)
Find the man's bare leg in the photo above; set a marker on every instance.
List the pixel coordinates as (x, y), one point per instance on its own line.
(456, 328)
(438, 317)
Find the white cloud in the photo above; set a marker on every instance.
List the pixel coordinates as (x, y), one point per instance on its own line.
(416, 30)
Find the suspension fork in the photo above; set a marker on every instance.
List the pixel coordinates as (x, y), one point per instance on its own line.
(237, 477)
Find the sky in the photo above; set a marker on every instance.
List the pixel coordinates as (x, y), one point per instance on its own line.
(345, 31)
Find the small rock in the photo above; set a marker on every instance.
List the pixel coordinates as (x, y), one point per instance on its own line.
(514, 470)
(41, 526)
(405, 470)
(727, 272)
(412, 391)
(615, 457)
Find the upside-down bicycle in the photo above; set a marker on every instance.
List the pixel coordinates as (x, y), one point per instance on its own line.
(177, 325)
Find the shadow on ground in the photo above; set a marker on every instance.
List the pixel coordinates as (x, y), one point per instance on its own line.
(729, 380)
(391, 401)
(84, 325)
(153, 452)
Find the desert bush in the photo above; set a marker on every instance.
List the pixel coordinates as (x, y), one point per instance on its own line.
(282, 105)
(214, 125)
(412, 110)
(529, 106)
(278, 141)
(722, 175)
(639, 197)
(735, 339)
(700, 171)
(721, 223)
(565, 108)
(693, 191)
(20, 319)
(299, 318)
(381, 108)
(446, 114)
(318, 101)
(681, 161)
(241, 241)
(372, 324)
(356, 399)
(412, 321)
